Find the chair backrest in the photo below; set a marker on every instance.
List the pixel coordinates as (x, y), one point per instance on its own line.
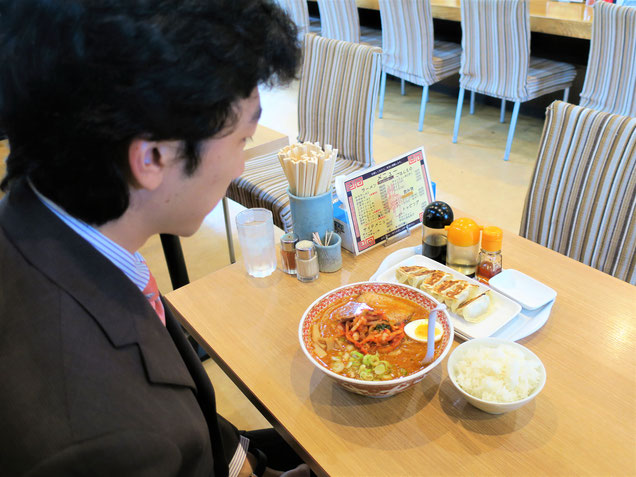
(407, 37)
(495, 47)
(610, 79)
(582, 196)
(299, 13)
(339, 20)
(337, 96)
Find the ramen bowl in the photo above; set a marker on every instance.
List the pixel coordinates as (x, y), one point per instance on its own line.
(375, 388)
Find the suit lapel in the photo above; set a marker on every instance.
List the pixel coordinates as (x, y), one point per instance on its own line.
(121, 310)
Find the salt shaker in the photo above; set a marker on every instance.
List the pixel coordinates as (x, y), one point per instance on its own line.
(306, 261)
(288, 252)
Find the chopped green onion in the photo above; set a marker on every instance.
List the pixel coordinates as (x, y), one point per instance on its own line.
(366, 376)
(379, 369)
(371, 359)
(337, 367)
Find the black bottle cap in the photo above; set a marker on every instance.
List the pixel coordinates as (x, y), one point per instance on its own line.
(437, 215)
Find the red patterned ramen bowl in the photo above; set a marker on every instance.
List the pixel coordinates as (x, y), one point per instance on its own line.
(375, 388)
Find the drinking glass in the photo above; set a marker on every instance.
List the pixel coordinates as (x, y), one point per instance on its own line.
(256, 236)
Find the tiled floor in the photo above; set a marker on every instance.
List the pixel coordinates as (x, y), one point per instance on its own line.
(470, 175)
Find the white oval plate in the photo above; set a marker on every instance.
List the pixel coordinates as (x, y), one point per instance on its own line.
(501, 311)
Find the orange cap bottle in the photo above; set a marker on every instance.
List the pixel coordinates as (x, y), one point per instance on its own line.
(463, 232)
(462, 251)
(491, 238)
(490, 261)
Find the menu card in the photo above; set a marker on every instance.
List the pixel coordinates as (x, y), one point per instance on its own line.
(385, 200)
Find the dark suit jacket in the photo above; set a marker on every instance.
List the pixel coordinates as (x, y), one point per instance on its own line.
(91, 382)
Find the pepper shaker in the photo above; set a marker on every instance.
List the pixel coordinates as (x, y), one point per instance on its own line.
(288, 252)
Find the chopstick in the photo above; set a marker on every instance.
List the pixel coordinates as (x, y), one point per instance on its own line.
(308, 168)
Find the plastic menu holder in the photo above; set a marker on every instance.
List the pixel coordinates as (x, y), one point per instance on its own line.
(383, 202)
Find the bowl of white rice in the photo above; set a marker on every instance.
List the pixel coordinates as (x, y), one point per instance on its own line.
(496, 375)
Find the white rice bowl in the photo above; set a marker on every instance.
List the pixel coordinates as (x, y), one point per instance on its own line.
(496, 375)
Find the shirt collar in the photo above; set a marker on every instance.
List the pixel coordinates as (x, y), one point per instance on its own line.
(132, 265)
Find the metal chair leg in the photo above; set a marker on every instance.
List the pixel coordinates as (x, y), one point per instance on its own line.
(402, 87)
(458, 113)
(502, 114)
(511, 129)
(382, 89)
(472, 102)
(423, 107)
(566, 94)
(228, 230)
(173, 253)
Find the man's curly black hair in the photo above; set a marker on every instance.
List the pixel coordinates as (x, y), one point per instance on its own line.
(80, 79)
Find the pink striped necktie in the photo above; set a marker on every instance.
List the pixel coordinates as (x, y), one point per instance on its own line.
(151, 292)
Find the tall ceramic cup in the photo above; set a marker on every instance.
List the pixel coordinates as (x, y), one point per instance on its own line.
(329, 256)
(311, 214)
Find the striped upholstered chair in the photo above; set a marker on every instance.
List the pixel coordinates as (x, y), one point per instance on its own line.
(409, 51)
(496, 58)
(336, 102)
(610, 79)
(582, 196)
(299, 13)
(340, 20)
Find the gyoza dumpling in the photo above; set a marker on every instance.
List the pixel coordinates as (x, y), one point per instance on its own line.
(402, 274)
(455, 292)
(474, 309)
(433, 279)
(415, 278)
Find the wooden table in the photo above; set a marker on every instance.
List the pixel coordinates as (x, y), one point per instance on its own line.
(546, 16)
(582, 423)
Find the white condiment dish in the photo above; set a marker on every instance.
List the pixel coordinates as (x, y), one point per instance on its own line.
(491, 406)
(528, 292)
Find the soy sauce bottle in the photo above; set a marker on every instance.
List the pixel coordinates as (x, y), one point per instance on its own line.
(437, 215)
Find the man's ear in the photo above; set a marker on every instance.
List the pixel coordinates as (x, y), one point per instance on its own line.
(147, 163)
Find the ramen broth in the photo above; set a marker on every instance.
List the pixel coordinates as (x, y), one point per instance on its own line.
(336, 346)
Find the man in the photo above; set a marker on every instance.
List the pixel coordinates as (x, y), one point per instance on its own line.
(125, 118)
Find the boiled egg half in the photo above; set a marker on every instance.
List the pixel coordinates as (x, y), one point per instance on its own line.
(418, 330)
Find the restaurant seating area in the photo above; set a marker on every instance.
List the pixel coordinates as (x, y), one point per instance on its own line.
(469, 175)
(496, 59)
(410, 52)
(567, 185)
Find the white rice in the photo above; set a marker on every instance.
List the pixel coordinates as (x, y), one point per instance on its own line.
(499, 373)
